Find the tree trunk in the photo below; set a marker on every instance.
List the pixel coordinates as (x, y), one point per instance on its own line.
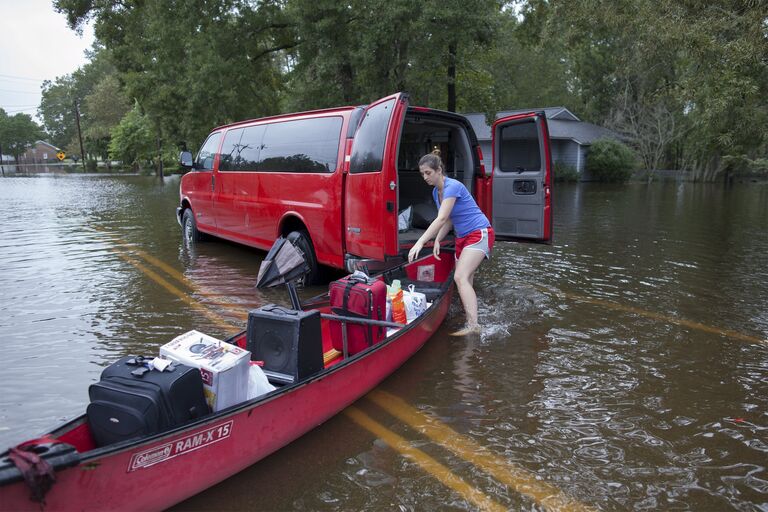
(347, 82)
(159, 157)
(452, 77)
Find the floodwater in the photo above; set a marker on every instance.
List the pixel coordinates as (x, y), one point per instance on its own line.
(624, 367)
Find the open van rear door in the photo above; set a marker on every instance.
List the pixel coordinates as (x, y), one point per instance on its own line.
(370, 190)
(522, 178)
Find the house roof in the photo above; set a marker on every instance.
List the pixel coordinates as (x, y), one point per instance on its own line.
(46, 144)
(562, 123)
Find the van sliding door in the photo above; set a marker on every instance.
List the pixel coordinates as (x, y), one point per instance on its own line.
(370, 196)
(522, 178)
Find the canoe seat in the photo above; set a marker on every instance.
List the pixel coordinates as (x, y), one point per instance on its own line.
(331, 357)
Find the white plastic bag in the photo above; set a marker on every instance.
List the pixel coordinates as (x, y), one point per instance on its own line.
(404, 219)
(257, 382)
(415, 303)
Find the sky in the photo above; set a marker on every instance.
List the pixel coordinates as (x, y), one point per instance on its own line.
(35, 45)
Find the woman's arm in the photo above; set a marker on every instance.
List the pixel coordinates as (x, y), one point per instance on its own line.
(435, 228)
(440, 235)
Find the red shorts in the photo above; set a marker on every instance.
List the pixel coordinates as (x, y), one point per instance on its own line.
(479, 240)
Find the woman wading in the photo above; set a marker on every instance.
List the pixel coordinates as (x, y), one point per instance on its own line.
(474, 234)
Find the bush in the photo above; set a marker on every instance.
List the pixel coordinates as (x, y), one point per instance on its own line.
(610, 160)
(564, 172)
(91, 166)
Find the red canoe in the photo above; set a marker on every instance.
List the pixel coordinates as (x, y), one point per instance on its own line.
(156, 472)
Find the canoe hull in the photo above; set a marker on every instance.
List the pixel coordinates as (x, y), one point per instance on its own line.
(165, 470)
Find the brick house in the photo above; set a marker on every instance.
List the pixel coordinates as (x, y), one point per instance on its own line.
(40, 152)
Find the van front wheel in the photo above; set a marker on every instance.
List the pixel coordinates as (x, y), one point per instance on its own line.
(189, 227)
(301, 240)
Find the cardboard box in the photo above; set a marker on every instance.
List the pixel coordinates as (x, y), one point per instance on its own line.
(224, 367)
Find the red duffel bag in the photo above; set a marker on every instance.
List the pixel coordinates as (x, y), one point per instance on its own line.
(360, 298)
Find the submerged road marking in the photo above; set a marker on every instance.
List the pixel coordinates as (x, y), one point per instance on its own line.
(666, 318)
(516, 478)
(427, 463)
(214, 317)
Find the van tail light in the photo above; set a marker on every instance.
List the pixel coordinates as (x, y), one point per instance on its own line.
(480, 158)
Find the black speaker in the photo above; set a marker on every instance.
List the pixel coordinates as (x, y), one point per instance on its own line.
(288, 341)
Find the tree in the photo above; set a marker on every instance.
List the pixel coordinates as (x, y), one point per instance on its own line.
(192, 65)
(103, 109)
(17, 133)
(679, 78)
(132, 140)
(65, 97)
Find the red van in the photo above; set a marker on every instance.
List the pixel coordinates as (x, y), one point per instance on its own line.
(335, 180)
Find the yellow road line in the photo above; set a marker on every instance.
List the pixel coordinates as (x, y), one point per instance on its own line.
(516, 478)
(666, 318)
(214, 317)
(427, 463)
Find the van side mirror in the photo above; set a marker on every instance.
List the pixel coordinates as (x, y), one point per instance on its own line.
(185, 159)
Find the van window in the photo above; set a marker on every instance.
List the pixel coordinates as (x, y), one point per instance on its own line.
(207, 153)
(304, 145)
(368, 148)
(519, 150)
(240, 150)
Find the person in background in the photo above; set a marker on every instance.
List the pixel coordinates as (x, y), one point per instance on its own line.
(474, 235)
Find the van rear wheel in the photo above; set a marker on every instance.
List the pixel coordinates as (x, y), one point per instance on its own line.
(189, 227)
(301, 240)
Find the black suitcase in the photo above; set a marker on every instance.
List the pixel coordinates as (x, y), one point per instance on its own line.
(131, 400)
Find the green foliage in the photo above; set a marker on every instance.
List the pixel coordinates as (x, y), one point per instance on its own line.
(132, 140)
(610, 160)
(565, 173)
(95, 92)
(17, 132)
(684, 82)
(91, 166)
(103, 109)
(742, 166)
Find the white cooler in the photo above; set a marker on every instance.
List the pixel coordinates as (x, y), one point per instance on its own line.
(224, 367)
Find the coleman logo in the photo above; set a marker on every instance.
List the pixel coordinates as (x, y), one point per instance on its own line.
(180, 446)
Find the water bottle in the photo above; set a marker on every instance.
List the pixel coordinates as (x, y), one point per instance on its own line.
(395, 295)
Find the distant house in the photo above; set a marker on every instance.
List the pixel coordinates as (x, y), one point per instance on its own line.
(40, 152)
(569, 137)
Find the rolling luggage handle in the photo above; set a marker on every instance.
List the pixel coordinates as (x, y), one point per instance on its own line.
(350, 319)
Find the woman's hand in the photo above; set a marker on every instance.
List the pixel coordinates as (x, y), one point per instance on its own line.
(414, 252)
(436, 250)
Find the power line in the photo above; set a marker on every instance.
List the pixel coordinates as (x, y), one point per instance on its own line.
(23, 78)
(18, 92)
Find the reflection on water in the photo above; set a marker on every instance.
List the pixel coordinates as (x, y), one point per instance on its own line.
(608, 366)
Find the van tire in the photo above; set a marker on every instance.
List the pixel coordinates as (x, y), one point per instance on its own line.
(301, 240)
(189, 231)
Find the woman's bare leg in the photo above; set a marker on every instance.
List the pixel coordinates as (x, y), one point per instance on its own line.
(464, 277)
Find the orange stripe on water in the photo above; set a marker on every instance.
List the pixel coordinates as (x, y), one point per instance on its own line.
(516, 478)
(427, 463)
(666, 318)
(214, 317)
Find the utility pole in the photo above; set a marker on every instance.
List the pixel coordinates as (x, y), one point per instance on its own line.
(1, 160)
(79, 134)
